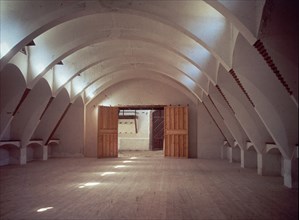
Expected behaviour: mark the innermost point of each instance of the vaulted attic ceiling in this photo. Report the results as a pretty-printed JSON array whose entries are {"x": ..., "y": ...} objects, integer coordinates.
[{"x": 221, "y": 49}]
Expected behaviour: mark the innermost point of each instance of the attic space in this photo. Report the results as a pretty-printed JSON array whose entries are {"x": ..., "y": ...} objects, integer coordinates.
[{"x": 149, "y": 109}]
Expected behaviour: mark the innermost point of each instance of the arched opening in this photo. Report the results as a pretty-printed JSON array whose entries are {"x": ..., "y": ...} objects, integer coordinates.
[
  {"x": 34, "y": 152},
  {"x": 249, "y": 157},
  {"x": 9, "y": 154},
  {"x": 53, "y": 149},
  {"x": 273, "y": 163},
  {"x": 236, "y": 154}
]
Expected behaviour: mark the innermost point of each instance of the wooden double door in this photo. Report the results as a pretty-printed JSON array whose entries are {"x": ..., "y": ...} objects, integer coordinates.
[{"x": 175, "y": 131}]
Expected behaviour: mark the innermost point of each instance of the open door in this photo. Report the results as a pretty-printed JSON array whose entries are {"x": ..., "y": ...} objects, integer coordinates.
[
  {"x": 176, "y": 131},
  {"x": 107, "y": 132},
  {"x": 158, "y": 130}
]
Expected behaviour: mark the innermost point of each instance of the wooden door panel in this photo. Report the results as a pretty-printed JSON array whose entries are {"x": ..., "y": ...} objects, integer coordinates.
[
  {"x": 107, "y": 132},
  {"x": 176, "y": 131}
]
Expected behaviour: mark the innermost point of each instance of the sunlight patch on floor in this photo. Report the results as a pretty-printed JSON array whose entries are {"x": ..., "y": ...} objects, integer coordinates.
[{"x": 44, "y": 209}]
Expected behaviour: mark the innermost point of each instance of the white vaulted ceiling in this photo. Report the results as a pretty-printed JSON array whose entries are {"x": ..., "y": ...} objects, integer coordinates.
[
  {"x": 210, "y": 48},
  {"x": 193, "y": 35}
]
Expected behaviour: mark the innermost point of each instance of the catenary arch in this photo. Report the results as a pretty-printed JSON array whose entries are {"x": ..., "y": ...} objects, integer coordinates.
[
  {"x": 166, "y": 70},
  {"x": 98, "y": 85},
  {"x": 247, "y": 64},
  {"x": 256, "y": 125},
  {"x": 240, "y": 15},
  {"x": 102, "y": 67},
  {"x": 156, "y": 77},
  {"x": 54, "y": 14},
  {"x": 108, "y": 30},
  {"x": 73, "y": 41},
  {"x": 61, "y": 57},
  {"x": 74, "y": 65}
]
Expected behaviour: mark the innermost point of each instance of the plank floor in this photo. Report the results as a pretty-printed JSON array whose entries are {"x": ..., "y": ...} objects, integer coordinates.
[{"x": 136, "y": 186}]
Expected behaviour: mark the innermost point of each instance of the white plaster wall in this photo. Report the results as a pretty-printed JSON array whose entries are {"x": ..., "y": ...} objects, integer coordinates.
[
  {"x": 230, "y": 120},
  {"x": 51, "y": 116},
  {"x": 229, "y": 154},
  {"x": 272, "y": 164},
  {"x": 29, "y": 154},
  {"x": 219, "y": 120},
  {"x": 133, "y": 144},
  {"x": 236, "y": 154},
  {"x": 14, "y": 156},
  {"x": 27, "y": 117},
  {"x": 209, "y": 137},
  {"x": 139, "y": 140},
  {"x": 12, "y": 87},
  {"x": 224, "y": 152},
  {"x": 70, "y": 132},
  {"x": 250, "y": 158},
  {"x": 34, "y": 152}
]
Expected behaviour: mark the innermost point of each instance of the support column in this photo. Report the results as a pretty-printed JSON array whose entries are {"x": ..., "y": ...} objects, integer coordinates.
[
  {"x": 23, "y": 155},
  {"x": 259, "y": 164},
  {"x": 248, "y": 159},
  {"x": 45, "y": 152},
  {"x": 290, "y": 173},
  {"x": 269, "y": 164},
  {"x": 230, "y": 154}
]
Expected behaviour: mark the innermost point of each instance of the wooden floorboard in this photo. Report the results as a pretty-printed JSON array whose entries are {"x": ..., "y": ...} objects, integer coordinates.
[{"x": 147, "y": 187}]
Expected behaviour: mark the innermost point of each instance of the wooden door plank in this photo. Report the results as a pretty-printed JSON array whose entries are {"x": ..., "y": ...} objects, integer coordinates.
[
  {"x": 172, "y": 145},
  {"x": 176, "y": 145},
  {"x": 107, "y": 132},
  {"x": 172, "y": 118},
  {"x": 176, "y": 131}
]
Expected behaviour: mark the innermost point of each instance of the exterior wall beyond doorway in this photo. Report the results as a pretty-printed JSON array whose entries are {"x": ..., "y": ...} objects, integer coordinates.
[{"x": 128, "y": 139}]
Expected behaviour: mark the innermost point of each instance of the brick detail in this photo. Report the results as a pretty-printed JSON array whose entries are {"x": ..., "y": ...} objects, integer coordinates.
[
  {"x": 224, "y": 98},
  {"x": 263, "y": 52},
  {"x": 236, "y": 78}
]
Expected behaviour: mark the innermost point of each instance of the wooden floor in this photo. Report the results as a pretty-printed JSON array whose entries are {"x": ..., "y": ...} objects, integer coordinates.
[{"x": 142, "y": 187}]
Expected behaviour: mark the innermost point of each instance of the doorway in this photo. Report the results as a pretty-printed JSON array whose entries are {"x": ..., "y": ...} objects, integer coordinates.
[
  {"x": 133, "y": 130},
  {"x": 168, "y": 126}
]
